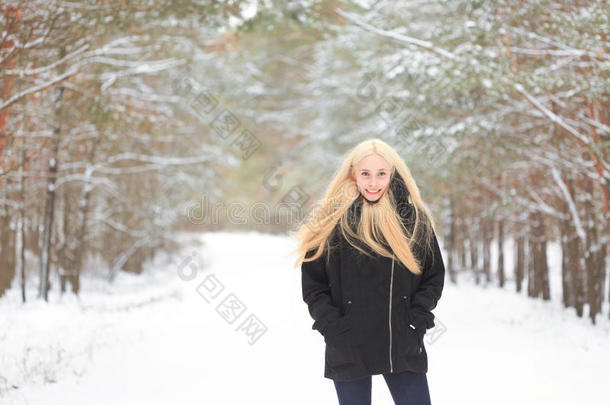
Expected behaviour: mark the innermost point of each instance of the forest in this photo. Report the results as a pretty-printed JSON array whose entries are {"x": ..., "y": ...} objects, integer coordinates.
[{"x": 119, "y": 118}]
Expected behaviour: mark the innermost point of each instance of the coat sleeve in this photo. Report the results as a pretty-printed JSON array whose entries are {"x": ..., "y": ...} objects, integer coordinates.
[
  {"x": 316, "y": 293},
  {"x": 430, "y": 288}
]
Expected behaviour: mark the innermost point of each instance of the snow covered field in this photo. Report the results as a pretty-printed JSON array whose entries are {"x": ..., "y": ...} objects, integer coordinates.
[{"x": 154, "y": 339}]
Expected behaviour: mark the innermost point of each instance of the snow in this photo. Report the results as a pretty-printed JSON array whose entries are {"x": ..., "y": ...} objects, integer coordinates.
[
  {"x": 154, "y": 339},
  {"x": 249, "y": 9}
]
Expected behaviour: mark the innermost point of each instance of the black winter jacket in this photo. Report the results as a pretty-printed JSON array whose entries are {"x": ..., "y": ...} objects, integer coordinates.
[{"x": 372, "y": 311}]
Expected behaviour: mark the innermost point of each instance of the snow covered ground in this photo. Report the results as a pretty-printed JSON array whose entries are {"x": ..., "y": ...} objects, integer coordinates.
[{"x": 159, "y": 339}]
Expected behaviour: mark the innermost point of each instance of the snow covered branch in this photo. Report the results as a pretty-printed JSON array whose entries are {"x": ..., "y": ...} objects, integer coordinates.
[
  {"x": 429, "y": 46},
  {"x": 573, "y": 132}
]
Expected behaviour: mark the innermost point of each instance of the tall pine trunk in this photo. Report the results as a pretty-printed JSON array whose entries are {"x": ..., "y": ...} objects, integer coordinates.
[
  {"x": 7, "y": 239},
  {"x": 519, "y": 261},
  {"x": 486, "y": 228},
  {"x": 22, "y": 218},
  {"x": 451, "y": 248},
  {"x": 501, "y": 275},
  {"x": 49, "y": 210},
  {"x": 594, "y": 254}
]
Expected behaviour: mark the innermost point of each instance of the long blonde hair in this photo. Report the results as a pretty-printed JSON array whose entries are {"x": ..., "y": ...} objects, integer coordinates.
[{"x": 379, "y": 224}]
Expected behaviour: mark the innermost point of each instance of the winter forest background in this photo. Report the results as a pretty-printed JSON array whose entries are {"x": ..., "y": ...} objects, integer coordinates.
[{"x": 148, "y": 147}]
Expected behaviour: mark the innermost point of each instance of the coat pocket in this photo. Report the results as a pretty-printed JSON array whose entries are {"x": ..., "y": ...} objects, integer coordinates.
[
  {"x": 407, "y": 306},
  {"x": 339, "y": 346},
  {"x": 417, "y": 334},
  {"x": 340, "y": 326}
]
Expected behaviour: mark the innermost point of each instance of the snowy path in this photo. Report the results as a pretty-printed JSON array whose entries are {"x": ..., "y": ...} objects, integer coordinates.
[{"x": 174, "y": 348}]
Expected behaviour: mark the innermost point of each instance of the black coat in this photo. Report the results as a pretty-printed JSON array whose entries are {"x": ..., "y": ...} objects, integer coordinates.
[{"x": 372, "y": 311}]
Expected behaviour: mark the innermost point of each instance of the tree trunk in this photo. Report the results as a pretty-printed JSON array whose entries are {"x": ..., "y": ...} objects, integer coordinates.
[
  {"x": 80, "y": 248},
  {"x": 519, "y": 261},
  {"x": 22, "y": 219},
  {"x": 7, "y": 240},
  {"x": 539, "y": 270},
  {"x": 462, "y": 245},
  {"x": 567, "y": 285},
  {"x": 474, "y": 260},
  {"x": 49, "y": 211},
  {"x": 594, "y": 254},
  {"x": 64, "y": 258},
  {"x": 451, "y": 248},
  {"x": 486, "y": 228},
  {"x": 575, "y": 258},
  {"x": 501, "y": 275},
  {"x": 532, "y": 286}
]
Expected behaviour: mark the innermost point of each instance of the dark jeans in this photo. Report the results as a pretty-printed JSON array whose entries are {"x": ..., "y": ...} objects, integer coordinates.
[{"x": 407, "y": 388}]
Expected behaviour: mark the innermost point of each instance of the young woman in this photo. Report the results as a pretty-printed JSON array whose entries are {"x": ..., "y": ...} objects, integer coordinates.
[{"x": 372, "y": 271}]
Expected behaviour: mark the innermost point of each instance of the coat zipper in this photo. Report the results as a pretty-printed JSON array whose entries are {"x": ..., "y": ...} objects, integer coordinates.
[{"x": 390, "y": 312}]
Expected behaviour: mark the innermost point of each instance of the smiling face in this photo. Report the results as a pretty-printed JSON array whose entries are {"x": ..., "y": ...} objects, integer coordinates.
[{"x": 372, "y": 175}]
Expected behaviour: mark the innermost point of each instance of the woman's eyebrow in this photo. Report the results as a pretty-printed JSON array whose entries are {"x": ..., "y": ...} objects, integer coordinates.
[{"x": 367, "y": 170}]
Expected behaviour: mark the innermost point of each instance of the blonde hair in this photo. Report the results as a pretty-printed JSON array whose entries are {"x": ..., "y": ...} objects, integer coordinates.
[{"x": 378, "y": 222}]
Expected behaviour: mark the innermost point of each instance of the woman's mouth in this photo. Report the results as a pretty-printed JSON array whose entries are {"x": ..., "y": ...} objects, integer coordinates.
[{"x": 372, "y": 192}]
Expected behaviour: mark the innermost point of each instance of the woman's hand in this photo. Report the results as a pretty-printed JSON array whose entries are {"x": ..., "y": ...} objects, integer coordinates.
[{"x": 429, "y": 290}]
